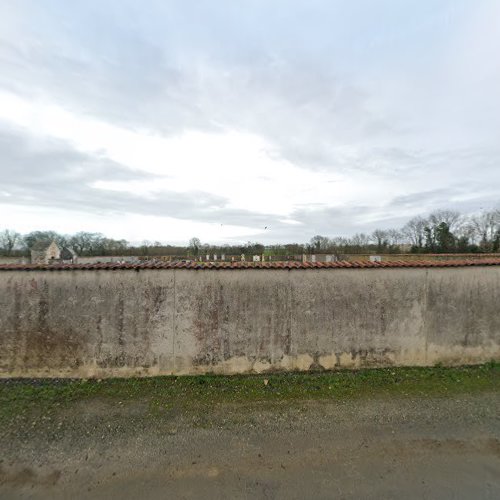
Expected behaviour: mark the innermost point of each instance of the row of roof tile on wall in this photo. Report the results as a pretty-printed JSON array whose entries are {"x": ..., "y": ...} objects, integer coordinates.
[{"x": 248, "y": 265}]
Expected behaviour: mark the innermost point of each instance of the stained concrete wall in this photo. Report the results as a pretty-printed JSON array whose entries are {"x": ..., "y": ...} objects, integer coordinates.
[{"x": 148, "y": 322}]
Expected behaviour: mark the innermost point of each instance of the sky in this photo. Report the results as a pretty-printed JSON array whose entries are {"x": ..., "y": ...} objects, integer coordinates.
[{"x": 236, "y": 120}]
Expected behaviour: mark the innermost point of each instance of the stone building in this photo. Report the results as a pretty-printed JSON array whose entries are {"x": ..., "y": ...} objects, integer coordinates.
[{"x": 44, "y": 252}]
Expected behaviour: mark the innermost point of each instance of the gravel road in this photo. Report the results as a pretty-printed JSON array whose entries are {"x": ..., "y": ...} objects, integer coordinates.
[{"x": 366, "y": 448}]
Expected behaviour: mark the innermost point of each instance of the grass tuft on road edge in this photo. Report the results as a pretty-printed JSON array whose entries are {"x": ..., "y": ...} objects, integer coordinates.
[{"x": 22, "y": 397}]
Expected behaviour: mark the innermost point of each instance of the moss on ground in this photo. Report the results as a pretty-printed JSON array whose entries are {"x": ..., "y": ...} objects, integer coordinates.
[{"x": 23, "y": 397}]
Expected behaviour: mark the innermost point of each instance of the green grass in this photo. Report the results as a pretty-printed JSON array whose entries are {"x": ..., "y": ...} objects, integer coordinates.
[{"x": 24, "y": 397}]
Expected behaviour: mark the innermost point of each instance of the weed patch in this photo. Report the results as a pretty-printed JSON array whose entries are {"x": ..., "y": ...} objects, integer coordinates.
[{"x": 24, "y": 397}]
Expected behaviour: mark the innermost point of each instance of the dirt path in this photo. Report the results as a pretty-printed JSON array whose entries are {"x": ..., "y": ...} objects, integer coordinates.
[{"x": 369, "y": 448}]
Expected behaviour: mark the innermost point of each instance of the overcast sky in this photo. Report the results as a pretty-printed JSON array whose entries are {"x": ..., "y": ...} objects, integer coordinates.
[{"x": 164, "y": 120}]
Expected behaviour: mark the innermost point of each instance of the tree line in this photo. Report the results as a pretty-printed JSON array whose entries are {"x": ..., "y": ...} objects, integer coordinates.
[
  {"x": 443, "y": 231},
  {"x": 84, "y": 243}
]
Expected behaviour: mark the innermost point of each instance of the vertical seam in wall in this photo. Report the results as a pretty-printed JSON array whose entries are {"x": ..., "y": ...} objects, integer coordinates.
[
  {"x": 426, "y": 293},
  {"x": 290, "y": 305},
  {"x": 174, "y": 332}
]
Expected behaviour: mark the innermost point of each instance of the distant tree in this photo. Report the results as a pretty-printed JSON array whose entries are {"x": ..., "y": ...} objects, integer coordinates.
[
  {"x": 109, "y": 246},
  {"x": 444, "y": 238},
  {"x": 144, "y": 247},
  {"x": 442, "y": 231},
  {"x": 451, "y": 218},
  {"x": 320, "y": 243},
  {"x": 430, "y": 242},
  {"x": 463, "y": 244},
  {"x": 294, "y": 249},
  {"x": 414, "y": 231},
  {"x": 496, "y": 242},
  {"x": 464, "y": 233},
  {"x": 253, "y": 248},
  {"x": 339, "y": 242},
  {"x": 45, "y": 236},
  {"x": 194, "y": 246},
  {"x": 9, "y": 240},
  {"x": 485, "y": 227},
  {"x": 360, "y": 241},
  {"x": 395, "y": 237},
  {"x": 85, "y": 243},
  {"x": 380, "y": 237}
]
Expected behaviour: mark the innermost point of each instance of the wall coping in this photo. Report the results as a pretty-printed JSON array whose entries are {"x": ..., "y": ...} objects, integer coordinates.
[{"x": 199, "y": 266}]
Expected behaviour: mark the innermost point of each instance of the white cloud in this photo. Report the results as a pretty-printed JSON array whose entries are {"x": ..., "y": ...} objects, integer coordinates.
[
  {"x": 239, "y": 166},
  {"x": 135, "y": 227}
]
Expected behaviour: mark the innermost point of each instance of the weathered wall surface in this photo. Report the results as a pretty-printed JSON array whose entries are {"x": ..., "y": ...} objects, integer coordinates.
[{"x": 149, "y": 322}]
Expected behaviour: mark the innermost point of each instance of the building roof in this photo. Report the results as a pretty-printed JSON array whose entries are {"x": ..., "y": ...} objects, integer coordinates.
[
  {"x": 41, "y": 245},
  {"x": 111, "y": 266},
  {"x": 68, "y": 253}
]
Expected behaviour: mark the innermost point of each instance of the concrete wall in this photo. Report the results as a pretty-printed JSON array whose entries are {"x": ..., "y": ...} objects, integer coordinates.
[{"x": 148, "y": 322}]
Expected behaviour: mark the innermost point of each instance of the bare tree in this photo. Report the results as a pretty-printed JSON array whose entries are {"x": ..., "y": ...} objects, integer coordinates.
[
  {"x": 9, "y": 239},
  {"x": 320, "y": 243},
  {"x": 414, "y": 230},
  {"x": 360, "y": 240},
  {"x": 451, "y": 218},
  {"x": 395, "y": 236},
  {"x": 87, "y": 243},
  {"x": 485, "y": 226},
  {"x": 194, "y": 246},
  {"x": 381, "y": 238},
  {"x": 46, "y": 236},
  {"x": 339, "y": 241},
  {"x": 465, "y": 230}
]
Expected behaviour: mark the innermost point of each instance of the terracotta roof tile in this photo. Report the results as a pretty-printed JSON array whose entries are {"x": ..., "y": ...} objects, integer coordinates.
[{"x": 250, "y": 265}]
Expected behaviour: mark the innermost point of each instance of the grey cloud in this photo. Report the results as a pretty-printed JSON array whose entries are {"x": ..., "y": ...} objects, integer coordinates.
[
  {"x": 50, "y": 173},
  {"x": 170, "y": 68},
  {"x": 28, "y": 160},
  {"x": 40, "y": 173},
  {"x": 168, "y": 83},
  {"x": 416, "y": 200}
]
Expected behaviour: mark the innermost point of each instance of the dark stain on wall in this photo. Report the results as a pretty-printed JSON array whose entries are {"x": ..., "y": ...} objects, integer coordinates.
[
  {"x": 210, "y": 321},
  {"x": 120, "y": 319},
  {"x": 50, "y": 345}
]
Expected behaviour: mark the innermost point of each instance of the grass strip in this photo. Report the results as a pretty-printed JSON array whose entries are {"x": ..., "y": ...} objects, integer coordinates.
[{"x": 27, "y": 396}]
